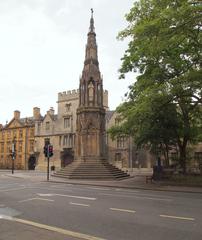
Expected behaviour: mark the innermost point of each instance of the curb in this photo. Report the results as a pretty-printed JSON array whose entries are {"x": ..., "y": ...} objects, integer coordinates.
[
  {"x": 127, "y": 187},
  {"x": 153, "y": 188}
]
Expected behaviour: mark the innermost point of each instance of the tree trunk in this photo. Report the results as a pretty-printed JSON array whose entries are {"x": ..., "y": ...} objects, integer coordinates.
[
  {"x": 167, "y": 155},
  {"x": 182, "y": 150}
]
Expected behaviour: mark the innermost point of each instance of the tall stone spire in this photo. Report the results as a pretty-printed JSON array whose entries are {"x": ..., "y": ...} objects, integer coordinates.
[
  {"x": 91, "y": 46},
  {"x": 90, "y": 135},
  {"x": 91, "y": 89}
]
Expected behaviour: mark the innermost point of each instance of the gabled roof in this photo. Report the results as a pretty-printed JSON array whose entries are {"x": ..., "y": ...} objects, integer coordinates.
[
  {"x": 109, "y": 115},
  {"x": 22, "y": 122},
  {"x": 52, "y": 116}
]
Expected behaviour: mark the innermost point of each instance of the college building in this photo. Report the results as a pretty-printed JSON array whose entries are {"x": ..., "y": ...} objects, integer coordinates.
[{"x": 78, "y": 130}]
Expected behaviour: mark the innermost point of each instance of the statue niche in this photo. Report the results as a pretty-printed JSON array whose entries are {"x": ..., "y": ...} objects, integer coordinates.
[{"x": 91, "y": 92}]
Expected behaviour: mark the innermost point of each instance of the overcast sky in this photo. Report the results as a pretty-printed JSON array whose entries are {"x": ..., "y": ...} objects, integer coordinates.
[{"x": 42, "y": 49}]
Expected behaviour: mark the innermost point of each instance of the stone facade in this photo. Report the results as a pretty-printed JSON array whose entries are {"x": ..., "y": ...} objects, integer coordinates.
[
  {"x": 19, "y": 131},
  {"x": 122, "y": 152},
  {"x": 59, "y": 129}
]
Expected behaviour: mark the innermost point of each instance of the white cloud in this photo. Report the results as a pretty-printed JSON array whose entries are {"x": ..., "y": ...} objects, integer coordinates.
[{"x": 42, "y": 46}]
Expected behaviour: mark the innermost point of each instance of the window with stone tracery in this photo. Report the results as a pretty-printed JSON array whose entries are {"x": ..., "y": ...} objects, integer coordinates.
[
  {"x": 2, "y": 147},
  {"x": 20, "y": 133},
  {"x": 121, "y": 142},
  {"x": 47, "y": 125},
  {"x": 67, "y": 122}
]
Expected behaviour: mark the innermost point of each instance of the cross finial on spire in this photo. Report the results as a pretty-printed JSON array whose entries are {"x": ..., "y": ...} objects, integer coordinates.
[{"x": 91, "y": 29}]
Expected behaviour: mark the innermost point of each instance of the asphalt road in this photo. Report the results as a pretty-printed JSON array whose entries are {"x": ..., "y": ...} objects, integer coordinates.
[{"x": 95, "y": 213}]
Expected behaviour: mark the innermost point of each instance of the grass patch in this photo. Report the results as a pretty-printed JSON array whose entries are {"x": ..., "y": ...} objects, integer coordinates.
[{"x": 185, "y": 180}]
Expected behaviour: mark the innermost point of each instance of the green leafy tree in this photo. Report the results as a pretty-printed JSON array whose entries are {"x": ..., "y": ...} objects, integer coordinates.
[{"x": 164, "y": 103}]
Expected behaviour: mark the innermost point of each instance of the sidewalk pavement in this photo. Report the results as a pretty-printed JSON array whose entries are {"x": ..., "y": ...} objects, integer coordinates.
[
  {"x": 136, "y": 182},
  {"x": 11, "y": 230}
]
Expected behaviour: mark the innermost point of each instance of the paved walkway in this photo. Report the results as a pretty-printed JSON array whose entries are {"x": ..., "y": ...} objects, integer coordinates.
[
  {"x": 11, "y": 230},
  {"x": 137, "y": 182}
]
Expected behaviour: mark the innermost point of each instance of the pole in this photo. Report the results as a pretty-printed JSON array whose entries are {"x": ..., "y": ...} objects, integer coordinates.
[
  {"x": 13, "y": 158},
  {"x": 13, "y": 155},
  {"x": 48, "y": 163}
]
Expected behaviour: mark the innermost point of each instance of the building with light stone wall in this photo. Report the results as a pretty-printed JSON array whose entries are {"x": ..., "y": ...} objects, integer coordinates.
[
  {"x": 59, "y": 129},
  {"x": 19, "y": 132}
]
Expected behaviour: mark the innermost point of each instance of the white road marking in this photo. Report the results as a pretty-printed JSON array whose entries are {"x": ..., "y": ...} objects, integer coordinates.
[
  {"x": 63, "y": 195},
  {"x": 12, "y": 189},
  {"x": 122, "y": 210},
  {"x": 45, "y": 194},
  {"x": 49, "y": 189},
  {"x": 79, "y": 204},
  {"x": 177, "y": 217},
  {"x": 31, "y": 199},
  {"x": 5, "y": 217},
  {"x": 53, "y": 229},
  {"x": 139, "y": 197}
]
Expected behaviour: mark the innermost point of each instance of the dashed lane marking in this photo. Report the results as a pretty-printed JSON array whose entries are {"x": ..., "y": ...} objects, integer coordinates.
[
  {"x": 177, "y": 217},
  {"x": 79, "y": 204},
  {"x": 63, "y": 195},
  {"x": 138, "y": 197},
  {"x": 31, "y": 199},
  {"x": 12, "y": 189},
  {"x": 54, "y": 229},
  {"x": 122, "y": 210}
]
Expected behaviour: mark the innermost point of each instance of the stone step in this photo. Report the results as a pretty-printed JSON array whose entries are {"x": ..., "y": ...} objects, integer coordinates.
[
  {"x": 91, "y": 175},
  {"x": 87, "y": 178},
  {"x": 91, "y": 170},
  {"x": 84, "y": 175},
  {"x": 87, "y": 175}
]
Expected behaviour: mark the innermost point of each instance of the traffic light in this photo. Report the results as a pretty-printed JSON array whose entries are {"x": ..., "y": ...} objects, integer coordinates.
[
  {"x": 45, "y": 150},
  {"x": 50, "y": 150}
]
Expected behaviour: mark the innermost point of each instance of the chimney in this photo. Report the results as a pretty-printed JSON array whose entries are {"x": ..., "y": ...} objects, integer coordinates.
[
  {"x": 51, "y": 111},
  {"x": 17, "y": 114},
  {"x": 36, "y": 113}
]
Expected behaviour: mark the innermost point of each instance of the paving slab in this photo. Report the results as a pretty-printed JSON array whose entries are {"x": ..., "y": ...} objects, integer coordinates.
[{"x": 10, "y": 230}]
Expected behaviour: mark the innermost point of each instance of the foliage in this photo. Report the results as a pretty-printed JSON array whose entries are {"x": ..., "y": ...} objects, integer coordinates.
[{"x": 164, "y": 104}]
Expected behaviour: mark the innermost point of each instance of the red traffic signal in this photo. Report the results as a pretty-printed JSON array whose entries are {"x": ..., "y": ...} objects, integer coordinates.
[{"x": 50, "y": 150}]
